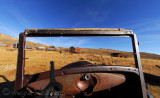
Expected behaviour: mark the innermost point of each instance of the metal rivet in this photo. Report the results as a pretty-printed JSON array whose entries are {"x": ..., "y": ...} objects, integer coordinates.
[{"x": 62, "y": 73}]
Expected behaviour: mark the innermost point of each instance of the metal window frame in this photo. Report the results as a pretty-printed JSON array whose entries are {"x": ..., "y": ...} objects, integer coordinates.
[{"x": 75, "y": 33}]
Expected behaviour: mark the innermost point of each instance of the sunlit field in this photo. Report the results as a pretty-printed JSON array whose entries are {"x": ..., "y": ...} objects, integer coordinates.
[{"x": 39, "y": 61}]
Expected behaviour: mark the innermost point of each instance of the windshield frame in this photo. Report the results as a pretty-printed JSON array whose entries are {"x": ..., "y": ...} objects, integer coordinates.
[{"x": 75, "y": 32}]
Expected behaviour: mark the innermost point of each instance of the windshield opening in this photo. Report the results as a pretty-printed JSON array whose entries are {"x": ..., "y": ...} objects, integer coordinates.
[{"x": 107, "y": 51}]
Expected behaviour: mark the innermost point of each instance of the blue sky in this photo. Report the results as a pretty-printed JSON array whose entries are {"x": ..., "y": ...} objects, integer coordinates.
[{"x": 141, "y": 16}]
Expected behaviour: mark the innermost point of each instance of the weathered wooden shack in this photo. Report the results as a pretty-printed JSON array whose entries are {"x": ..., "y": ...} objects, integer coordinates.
[
  {"x": 28, "y": 47},
  {"x": 9, "y": 45},
  {"x": 40, "y": 48},
  {"x": 53, "y": 49},
  {"x": 15, "y": 45},
  {"x": 119, "y": 55},
  {"x": 2, "y": 44},
  {"x": 78, "y": 50}
]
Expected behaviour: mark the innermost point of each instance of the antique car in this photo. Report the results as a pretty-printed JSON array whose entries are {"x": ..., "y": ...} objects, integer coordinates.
[{"x": 81, "y": 79}]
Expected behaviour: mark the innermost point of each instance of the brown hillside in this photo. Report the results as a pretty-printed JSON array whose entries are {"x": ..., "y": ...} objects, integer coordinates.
[
  {"x": 5, "y": 39},
  {"x": 108, "y": 52}
]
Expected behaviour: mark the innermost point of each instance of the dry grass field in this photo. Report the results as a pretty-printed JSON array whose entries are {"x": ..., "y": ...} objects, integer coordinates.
[{"x": 39, "y": 61}]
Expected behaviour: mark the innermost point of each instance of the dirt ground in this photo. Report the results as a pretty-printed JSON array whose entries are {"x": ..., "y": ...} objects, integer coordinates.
[{"x": 39, "y": 61}]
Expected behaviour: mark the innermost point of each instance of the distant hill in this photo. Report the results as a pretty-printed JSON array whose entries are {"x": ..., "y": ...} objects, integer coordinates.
[
  {"x": 129, "y": 54},
  {"x": 5, "y": 39},
  {"x": 149, "y": 56}
]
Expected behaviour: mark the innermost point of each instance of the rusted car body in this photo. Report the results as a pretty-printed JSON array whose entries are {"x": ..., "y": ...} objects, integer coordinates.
[{"x": 81, "y": 79}]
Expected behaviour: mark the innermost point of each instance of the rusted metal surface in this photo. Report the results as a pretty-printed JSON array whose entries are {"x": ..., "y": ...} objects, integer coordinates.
[
  {"x": 70, "y": 83},
  {"x": 72, "y": 32},
  {"x": 83, "y": 29},
  {"x": 73, "y": 84},
  {"x": 78, "y": 64},
  {"x": 108, "y": 80},
  {"x": 138, "y": 64},
  {"x": 78, "y": 70},
  {"x": 20, "y": 63},
  {"x": 39, "y": 85}
]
